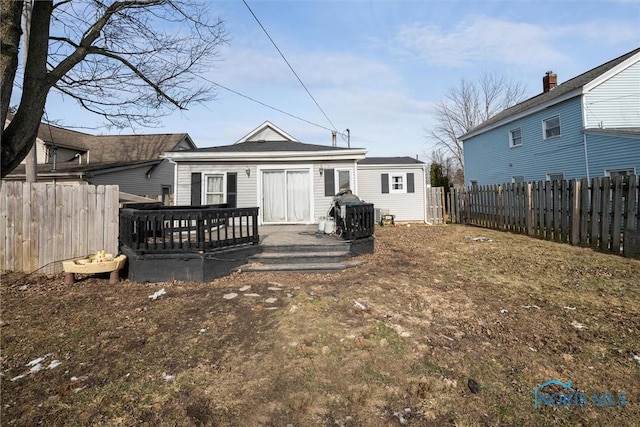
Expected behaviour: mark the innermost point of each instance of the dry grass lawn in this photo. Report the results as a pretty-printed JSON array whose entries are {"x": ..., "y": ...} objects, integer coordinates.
[{"x": 392, "y": 342}]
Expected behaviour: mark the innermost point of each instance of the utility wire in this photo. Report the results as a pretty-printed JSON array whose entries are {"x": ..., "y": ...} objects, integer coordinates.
[{"x": 290, "y": 67}]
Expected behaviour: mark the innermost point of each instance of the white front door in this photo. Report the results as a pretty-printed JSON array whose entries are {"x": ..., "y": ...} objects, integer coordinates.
[{"x": 286, "y": 196}]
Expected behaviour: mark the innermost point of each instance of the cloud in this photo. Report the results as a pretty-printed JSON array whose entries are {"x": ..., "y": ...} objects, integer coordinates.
[{"x": 485, "y": 39}]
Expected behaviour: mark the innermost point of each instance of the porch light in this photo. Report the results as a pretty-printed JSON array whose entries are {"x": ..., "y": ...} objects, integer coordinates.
[
  {"x": 321, "y": 170},
  {"x": 248, "y": 171}
]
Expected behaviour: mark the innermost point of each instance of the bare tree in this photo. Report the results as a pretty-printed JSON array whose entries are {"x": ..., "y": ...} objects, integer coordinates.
[
  {"x": 466, "y": 106},
  {"x": 130, "y": 61}
]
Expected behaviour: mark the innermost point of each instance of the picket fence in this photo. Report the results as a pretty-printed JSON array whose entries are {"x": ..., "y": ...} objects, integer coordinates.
[
  {"x": 45, "y": 224},
  {"x": 603, "y": 213}
]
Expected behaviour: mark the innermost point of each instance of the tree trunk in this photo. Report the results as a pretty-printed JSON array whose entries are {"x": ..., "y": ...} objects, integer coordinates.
[
  {"x": 10, "y": 12},
  {"x": 20, "y": 135}
]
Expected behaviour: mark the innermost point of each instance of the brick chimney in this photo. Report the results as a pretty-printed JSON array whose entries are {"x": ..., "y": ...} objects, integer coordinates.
[{"x": 549, "y": 81}]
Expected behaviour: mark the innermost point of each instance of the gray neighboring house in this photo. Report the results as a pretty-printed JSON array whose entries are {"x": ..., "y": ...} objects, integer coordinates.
[{"x": 133, "y": 162}]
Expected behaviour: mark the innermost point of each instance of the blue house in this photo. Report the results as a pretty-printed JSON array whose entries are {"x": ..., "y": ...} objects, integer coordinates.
[{"x": 588, "y": 126}]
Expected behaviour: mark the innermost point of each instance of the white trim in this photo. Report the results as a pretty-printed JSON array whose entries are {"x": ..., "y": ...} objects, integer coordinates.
[
  {"x": 278, "y": 156},
  {"x": 607, "y": 172},
  {"x": 544, "y": 127},
  {"x": 284, "y": 167},
  {"x": 511, "y": 144},
  {"x": 203, "y": 188},
  {"x": 612, "y": 72},
  {"x": 555, "y": 173},
  {"x": 404, "y": 182},
  {"x": 263, "y": 126}
]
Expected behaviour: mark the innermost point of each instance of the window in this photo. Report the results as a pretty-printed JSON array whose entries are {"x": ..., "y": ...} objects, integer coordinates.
[
  {"x": 515, "y": 137},
  {"x": 517, "y": 178},
  {"x": 619, "y": 172},
  {"x": 555, "y": 176},
  {"x": 344, "y": 180},
  {"x": 397, "y": 183},
  {"x": 551, "y": 127},
  {"x": 214, "y": 189}
]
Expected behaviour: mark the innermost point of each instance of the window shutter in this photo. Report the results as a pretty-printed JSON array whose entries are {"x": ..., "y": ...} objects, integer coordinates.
[
  {"x": 410, "y": 184},
  {"x": 196, "y": 189},
  {"x": 232, "y": 189},
  {"x": 329, "y": 183},
  {"x": 385, "y": 183}
]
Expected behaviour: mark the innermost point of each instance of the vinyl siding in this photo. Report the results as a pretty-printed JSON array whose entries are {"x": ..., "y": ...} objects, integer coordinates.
[
  {"x": 248, "y": 186},
  {"x": 611, "y": 152},
  {"x": 615, "y": 102},
  {"x": 488, "y": 159},
  {"x": 246, "y": 190},
  {"x": 135, "y": 181},
  {"x": 405, "y": 206}
]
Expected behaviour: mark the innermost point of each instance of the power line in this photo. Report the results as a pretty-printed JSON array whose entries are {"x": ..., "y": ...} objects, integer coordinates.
[{"x": 290, "y": 67}]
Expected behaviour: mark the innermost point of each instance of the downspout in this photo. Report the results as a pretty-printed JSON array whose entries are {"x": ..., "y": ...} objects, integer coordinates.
[
  {"x": 586, "y": 154},
  {"x": 175, "y": 182},
  {"x": 424, "y": 193}
]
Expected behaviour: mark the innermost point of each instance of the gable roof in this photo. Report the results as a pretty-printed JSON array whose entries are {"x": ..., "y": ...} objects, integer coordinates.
[
  {"x": 270, "y": 146},
  {"x": 406, "y": 160},
  {"x": 267, "y": 131},
  {"x": 569, "y": 89}
]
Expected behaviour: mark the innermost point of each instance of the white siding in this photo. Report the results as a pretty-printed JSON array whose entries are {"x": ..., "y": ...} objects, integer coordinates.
[
  {"x": 322, "y": 202},
  {"x": 405, "y": 206},
  {"x": 615, "y": 102},
  {"x": 247, "y": 185}
]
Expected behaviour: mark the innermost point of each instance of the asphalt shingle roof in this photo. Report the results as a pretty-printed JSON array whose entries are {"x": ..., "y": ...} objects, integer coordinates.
[
  {"x": 557, "y": 92},
  {"x": 266, "y": 146},
  {"x": 390, "y": 161}
]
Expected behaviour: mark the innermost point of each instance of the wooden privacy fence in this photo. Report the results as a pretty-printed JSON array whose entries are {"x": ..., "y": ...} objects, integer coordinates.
[
  {"x": 44, "y": 224},
  {"x": 603, "y": 213},
  {"x": 435, "y": 205}
]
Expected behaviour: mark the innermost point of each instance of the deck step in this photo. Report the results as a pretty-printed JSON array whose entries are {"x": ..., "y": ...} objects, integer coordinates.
[
  {"x": 273, "y": 257},
  {"x": 302, "y": 268}
]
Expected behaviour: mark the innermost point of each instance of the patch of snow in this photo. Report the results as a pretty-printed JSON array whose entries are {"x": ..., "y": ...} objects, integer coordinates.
[
  {"x": 245, "y": 288},
  {"x": 636, "y": 358},
  {"x": 203, "y": 330},
  {"x": 54, "y": 364},
  {"x": 271, "y": 300},
  {"x": 157, "y": 294},
  {"x": 271, "y": 308},
  {"x": 169, "y": 378},
  {"x": 231, "y": 295},
  {"x": 251, "y": 295},
  {"x": 533, "y": 349},
  {"x": 566, "y": 307},
  {"x": 273, "y": 288},
  {"x": 503, "y": 310},
  {"x": 578, "y": 325},
  {"x": 360, "y": 305},
  {"x": 79, "y": 389},
  {"x": 478, "y": 239},
  {"x": 17, "y": 377},
  {"x": 38, "y": 360},
  {"x": 81, "y": 378},
  {"x": 36, "y": 368},
  {"x": 531, "y": 306}
]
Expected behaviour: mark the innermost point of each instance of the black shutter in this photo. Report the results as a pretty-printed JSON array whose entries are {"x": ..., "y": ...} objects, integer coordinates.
[
  {"x": 410, "y": 185},
  {"x": 196, "y": 189},
  {"x": 232, "y": 189},
  {"x": 329, "y": 183},
  {"x": 385, "y": 183}
]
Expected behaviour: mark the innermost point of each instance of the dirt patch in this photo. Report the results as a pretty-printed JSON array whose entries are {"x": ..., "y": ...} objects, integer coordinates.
[{"x": 436, "y": 328}]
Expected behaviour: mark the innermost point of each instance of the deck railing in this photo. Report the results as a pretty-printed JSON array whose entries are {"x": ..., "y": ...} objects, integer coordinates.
[
  {"x": 358, "y": 221},
  {"x": 172, "y": 229}
]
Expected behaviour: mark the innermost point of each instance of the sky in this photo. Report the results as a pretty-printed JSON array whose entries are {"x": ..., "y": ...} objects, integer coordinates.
[{"x": 378, "y": 67}]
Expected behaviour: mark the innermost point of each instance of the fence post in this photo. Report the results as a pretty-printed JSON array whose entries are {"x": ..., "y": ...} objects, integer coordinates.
[
  {"x": 575, "y": 211},
  {"x": 631, "y": 242},
  {"x": 584, "y": 211}
]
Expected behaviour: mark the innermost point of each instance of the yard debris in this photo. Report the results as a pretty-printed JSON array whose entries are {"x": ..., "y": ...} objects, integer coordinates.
[
  {"x": 168, "y": 378},
  {"x": 17, "y": 377},
  {"x": 231, "y": 295},
  {"x": 479, "y": 239},
  {"x": 444, "y": 336},
  {"x": 274, "y": 288},
  {"x": 578, "y": 325},
  {"x": 251, "y": 295},
  {"x": 245, "y": 288},
  {"x": 157, "y": 294},
  {"x": 271, "y": 300},
  {"x": 360, "y": 305},
  {"x": 531, "y": 306},
  {"x": 566, "y": 307},
  {"x": 533, "y": 349},
  {"x": 39, "y": 360},
  {"x": 503, "y": 310},
  {"x": 473, "y": 386},
  {"x": 636, "y": 357},
  {"x": 54, "y": 364}
]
